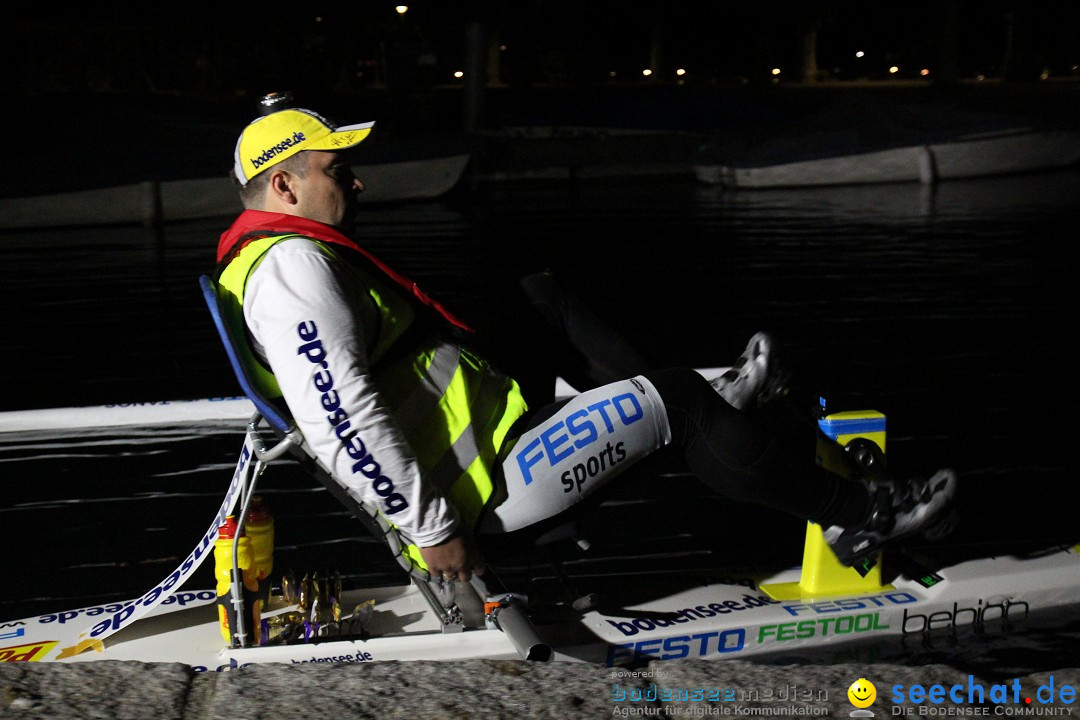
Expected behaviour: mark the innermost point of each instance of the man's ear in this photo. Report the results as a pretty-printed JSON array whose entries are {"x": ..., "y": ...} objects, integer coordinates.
[{"x": 281, "y": 186}]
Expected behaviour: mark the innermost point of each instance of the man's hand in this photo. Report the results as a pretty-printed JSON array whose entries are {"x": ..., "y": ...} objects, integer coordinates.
[{"x": 456, "y": 558}]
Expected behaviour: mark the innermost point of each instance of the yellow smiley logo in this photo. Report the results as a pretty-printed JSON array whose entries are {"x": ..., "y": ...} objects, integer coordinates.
[{"x": 862, "y": 693}]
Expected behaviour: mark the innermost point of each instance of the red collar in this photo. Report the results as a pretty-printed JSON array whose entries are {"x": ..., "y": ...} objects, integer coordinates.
[{"x": 255, "y": 224}]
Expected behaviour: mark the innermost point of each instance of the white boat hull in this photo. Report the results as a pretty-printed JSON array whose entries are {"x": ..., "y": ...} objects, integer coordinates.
[
  {"x": 706, "y": 620},
  {"x": 640, "y": 618},
  {"x": 968, "y": 158}
]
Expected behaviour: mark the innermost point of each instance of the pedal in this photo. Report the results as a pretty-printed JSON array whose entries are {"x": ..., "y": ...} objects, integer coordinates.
[
  {"x": 866, "y": 455},
  {"x": 914, "y": 570},
  {"x": 863, "y": 565}
]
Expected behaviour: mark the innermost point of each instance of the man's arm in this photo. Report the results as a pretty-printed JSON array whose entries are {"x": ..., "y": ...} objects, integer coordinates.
[{"x": 312, "y": 321}]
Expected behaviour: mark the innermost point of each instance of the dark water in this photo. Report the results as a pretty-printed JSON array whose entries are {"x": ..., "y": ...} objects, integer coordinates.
[{"x": 951, "y": 310}]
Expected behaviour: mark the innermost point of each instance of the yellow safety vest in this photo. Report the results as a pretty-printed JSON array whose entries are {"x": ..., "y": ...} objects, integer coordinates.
[{"x": 452, "y": 406}]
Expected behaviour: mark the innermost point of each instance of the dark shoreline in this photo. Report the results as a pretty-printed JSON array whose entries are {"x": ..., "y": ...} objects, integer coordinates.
[{"x": 102, "y": 140}]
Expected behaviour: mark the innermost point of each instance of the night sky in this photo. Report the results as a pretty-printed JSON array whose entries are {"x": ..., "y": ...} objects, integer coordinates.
[{"x": 350, "y": 47}]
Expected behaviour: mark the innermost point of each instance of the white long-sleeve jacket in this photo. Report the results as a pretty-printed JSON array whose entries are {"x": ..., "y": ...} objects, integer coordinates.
[{"x": 315, "y": 325}]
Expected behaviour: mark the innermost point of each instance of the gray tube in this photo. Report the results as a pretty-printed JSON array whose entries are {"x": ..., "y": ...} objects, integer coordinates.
[{"x": 513, "y": 621}]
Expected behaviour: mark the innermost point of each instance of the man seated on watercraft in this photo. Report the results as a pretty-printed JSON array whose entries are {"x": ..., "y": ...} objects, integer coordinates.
[{"x": 392, "y": 397}]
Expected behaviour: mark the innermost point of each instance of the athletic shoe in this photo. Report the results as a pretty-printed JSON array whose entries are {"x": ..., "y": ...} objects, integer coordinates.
[
  {"x": 756, "y": 376},
  {"x": 919, "y": 507}
]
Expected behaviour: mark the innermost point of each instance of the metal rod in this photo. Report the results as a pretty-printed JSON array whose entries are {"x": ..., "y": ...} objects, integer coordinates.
[{"x": 247, "y": 490}]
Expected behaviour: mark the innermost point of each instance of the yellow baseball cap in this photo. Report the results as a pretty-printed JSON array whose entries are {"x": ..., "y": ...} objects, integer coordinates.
[{"x": 270, "y": 139}]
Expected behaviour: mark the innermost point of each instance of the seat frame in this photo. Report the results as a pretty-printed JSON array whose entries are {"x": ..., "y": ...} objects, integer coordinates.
[{"x": 506, "y": 609}]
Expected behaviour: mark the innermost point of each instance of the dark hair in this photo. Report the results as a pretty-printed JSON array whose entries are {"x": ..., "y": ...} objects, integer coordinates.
[{"x": 252, "y": 194}]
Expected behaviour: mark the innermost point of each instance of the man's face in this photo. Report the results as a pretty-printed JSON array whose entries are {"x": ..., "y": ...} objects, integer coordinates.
[{"x": 328, "y": 191}]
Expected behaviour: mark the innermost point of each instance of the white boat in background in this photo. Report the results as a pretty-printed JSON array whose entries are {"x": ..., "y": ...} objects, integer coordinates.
[
  {"x": 152, "y": 202},
  {"x": 170, "y": 412},
  {"x": 128, "y": 414},
  {"x": 1001, "y": 153}
]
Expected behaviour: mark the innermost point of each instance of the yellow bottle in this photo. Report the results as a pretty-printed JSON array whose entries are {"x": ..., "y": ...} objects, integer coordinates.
[
  {"x": 223, "y": 563},
  {"x": 259, "y": 526}
]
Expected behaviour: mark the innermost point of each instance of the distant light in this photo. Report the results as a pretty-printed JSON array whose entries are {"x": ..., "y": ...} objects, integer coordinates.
[
  {"x": 646, "y": 72},
  {"x": 318, "y": 19},
  {"x": 459, "y": 74},
  {"x": 980, "y": 77},
  {"x": 1044, "y": 75},
  {"x": 611, "y": 73},
  {"x": 859, "y": 54},
  {"x": 401, "y": 9},
  {"x": 893, "y": 70},
  {"x": 503, "y": 48},
  {"x": 680, "y": 71},
  {"x": 924, "y": 72},
  {"x": 776, "y": 71}
]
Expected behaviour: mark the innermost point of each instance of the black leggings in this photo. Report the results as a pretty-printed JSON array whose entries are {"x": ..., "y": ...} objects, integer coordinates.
[
  {"x": 738, "y": 456},
  {"x": 547, "y": 331},
  {"x": 732, "y": 451}
]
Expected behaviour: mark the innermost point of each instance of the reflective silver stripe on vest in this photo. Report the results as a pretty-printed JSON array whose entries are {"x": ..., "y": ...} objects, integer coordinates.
[
  {"x": 459, "y": 456},
  {"x": 415, "y": 408},
  {"x": 454, "y": 461}
]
